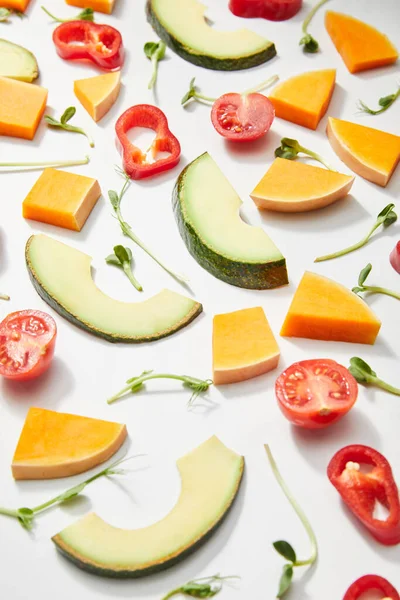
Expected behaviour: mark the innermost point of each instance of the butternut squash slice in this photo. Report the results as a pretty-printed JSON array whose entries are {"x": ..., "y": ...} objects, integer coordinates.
[
  {"x": 371, "y": 153},
  {"x": 322, "y": 309},
  {"x": 54, "y": 444},
  {"x": 21, "y": 107},
  {"x": 243, "y": 346},
  {"x": 103, "y": 6},
  {"x": 98, "y": 94},
  {"x": 20, "y": 5},
  {"x": 304, "y": 99},
  {"x": 360, "y": 45},
  {"x": 291, "y": 186}
]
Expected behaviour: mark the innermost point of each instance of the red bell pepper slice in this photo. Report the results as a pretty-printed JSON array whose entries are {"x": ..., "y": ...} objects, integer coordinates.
[
  {"x": 360, "y": 491},
  {"x": 101, "y": 44},
  {"x": 273, "y": 10},
  {"x": 136, "y": 163},
  {"x": 371, "y": 583}
]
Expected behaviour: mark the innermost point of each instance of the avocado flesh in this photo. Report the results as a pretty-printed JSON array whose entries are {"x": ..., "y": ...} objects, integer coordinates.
[
  {"x": 183, "y": 26},
  {"x": 17, "y": 62},
  {"x": 62, "y": 276},
  {"x": 210, "y": 479}
]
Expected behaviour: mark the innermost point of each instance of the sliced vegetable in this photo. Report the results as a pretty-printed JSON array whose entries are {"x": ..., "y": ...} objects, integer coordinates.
[
  {"x": 370, "y": 583},
  {"x": 17, "y": 62},
  {"x": 315, "y": 393},
  {"x": 98, "y": 94},
  {"x": 385, "y": 218},
  {"x": 363, "y": 491},
  {"x": 204, "y": 587},
  {"x": 241, "y": 118},
  {"x": 395, "y": 257},
  {"x": 135, "y": 384},
  {"x": 310, "y": 44},
  {"x": 385, "y": 102},
  {"x": 87, "y": 14},
  {"x": 103, "y": 6},
  {"x": 101, "y": 44},
  {"x": 16, "y": 6},
  {"x": 365, "y": 375},
  {"x": 123, "y": 259},
  {"x": 290, "y": 149},
  {"x": 138, "y": 164},
  {"x": 284, "y": 548},
  {"x": 63, "y": 123},
  {"x": 371, "y": 289},
  {"x": 21, "y": 108},
  {"x": 155, "y": 51},
  {"x": 273, "y": 10},
  {"x": 27, "y": 343}
]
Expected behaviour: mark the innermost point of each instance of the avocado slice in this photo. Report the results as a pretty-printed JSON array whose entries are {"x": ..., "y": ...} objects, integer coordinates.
[
  {"x": 211, "y": 476},
  {"x": 62, "y": 277},
  {"x": 17, "y": 62},
  {"x": 182, "y": 25},
  {"x": 207, "y": 212}
]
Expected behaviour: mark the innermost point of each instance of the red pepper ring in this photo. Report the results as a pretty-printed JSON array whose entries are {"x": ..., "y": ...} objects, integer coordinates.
[
  {"x": 371, "y": 583},
  {"x": 135, "y": 162},
  {"x": 361, "y": 491},
  {"x": 101, "y": 44}
]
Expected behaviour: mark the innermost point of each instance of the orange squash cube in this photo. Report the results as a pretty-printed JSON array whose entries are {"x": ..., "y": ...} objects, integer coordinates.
[
  {"x": 21, "y": 108},
  {"x": 20, "y": 5},
  {"x": 104, "y": 6}
]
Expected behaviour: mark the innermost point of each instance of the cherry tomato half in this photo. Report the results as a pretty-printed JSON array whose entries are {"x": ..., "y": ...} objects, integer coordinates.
[
  {"x": 242, "y": 118},
  {"x": 27, "y": 342},
  {"x": 315, "y": 393}
]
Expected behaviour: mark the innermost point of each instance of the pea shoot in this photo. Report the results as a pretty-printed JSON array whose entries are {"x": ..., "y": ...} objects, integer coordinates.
[
  {"x": 385, "y": 102},
  {"x": 308, "y": 41},
  {"x": 155, "y": 51},
  {"x": 123, "y": 259},
  {"x": 194, "y": 94},
  {"x": 21, "y": 166},
  {"x": 371, "y": 289},
  {"x": 289, "y": 149},
  {"x": 204, "y": 587},
  {"x": 63, "y": 123},
  {"x": 6, "y": 13},
  {"x": 4, "y": 297},
  {"x": 363, "y": 373},
  {"x": 87, "y": 14}
]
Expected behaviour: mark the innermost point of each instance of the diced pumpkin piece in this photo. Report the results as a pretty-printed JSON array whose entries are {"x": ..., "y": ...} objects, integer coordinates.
[
  {"x": 103, "y": 6},
  {"x": 54, "y": 444},
  {"x": 371, "y": 153},
  {"x": 243, "y": 346},
  {"x": 98, "y": 94},
  {"x": 304, "y": 99},
  {"x": 322, "y": 309},
  {"x": 293, "y": 186},
  {"x": 360, "y": 45},
  {"x": 21, "y": 107},
  {"x": 19, "y": 5},
  {"x": 62, "y": 199}
]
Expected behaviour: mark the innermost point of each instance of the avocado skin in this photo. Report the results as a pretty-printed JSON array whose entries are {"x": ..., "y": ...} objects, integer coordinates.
[
  {"x": 205, "y": 60},
  {"x": 91, "y": 567},
  {"x": 109, "y": 337},
  {"x": 255, "y": 276}
]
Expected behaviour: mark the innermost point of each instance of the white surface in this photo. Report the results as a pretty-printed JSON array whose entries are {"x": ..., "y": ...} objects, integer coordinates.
[{"x": 87, "y": 370}]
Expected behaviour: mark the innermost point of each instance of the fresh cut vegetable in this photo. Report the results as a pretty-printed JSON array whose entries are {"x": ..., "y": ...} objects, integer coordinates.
[
  {"x": 365, "y": 375},
  {"x": 63, "y": 123},
  {"x": 123, "y": 259},
  {"x": 17, "y": 62},
  {"x": 101, "y": 549},
  {"x": 308, "y": 41},
  {"x": 98, "y": 94},
  {"x": 371, "y": 289},
  {"x": 101, "y": 44},
  {"x": 27, "y": 343},
  {"x": 371, "y": 583},
  {"x": 203, "y": 587},
  {"x": 284, "y": 548},
  {"x": 241, "y": 118},
  {"x": 103, "y": 6},
  {"x": 138, "y": 164},
  {"x": 16, "y": 6},
  {"x": 273, "y": 10},
  {"x": 395, "y": 257},
  {"x": 21, "y": 108},
  {"x": 362, "y": 490}
]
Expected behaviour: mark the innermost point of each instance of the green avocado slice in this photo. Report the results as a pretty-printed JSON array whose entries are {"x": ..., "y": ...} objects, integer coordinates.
[
  {"x": 62, "y": 277},
  {"x": 184, "y": 28},
  {"x": 207, "y": 212},
  {"x": 17, "y": 62},
  {"x": 210, "y": 474}
]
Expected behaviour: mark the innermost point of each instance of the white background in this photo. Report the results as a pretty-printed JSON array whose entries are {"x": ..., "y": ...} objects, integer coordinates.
[{"x": 87, "y": 370}]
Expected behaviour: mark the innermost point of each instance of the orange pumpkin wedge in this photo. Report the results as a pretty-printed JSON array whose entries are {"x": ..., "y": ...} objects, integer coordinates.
[
  {"x": 19, "y": 5},
  {"x": 304, "y": 99},
  {"x": 54, "y": 444},
  {"x": 322, "y": 309},
  {"x": 360, "y": 45},
  {"x": 291, "y": 186},
  {"x": 98, "y": 94},
  {"x": 103, "y": 6},
  {"x": 243, "y": 346},
  {"x": 371, "y": 153},
  {"x": 21, "y": 108}
]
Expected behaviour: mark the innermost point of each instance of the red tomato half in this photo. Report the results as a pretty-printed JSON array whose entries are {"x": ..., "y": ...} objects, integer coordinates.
[
  {"x": 27, "y": 341},
  {"x": 242, "y": 118},
  {"x": 315, "y": 393}
]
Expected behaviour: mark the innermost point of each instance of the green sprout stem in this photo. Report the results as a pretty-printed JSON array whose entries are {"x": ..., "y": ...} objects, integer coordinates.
[
  {"x": 64, "y": 124},
  {"x": 123, "y": 259},
  {"x": 290, "y": 148},
  {"x": 155, "y": 51},
  {"x": 50, "y": 163},
  {"x": 4, "y": 297},
  {"x": 84, "y": 15},
  {"x": 310, "y": 43},
  {"x": 196, "y": 95},
  {"x": 371, "y": 289},
  {"x": 385, "y": 102},
  {"x": 311, "y": 15},
  {"x": 204, "y": 587},
  {"x": 363, "y": 373}
]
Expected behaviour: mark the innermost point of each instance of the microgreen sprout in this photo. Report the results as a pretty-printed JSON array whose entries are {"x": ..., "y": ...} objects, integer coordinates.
[
  {"x": 18, "y": 166},
  {"x": 4, "y": 297},
  {"x": 284, "y": 548},
  {"x": 363, "y": 373},
  {"x": 123, "y": 259},
  {"x": 291, "y": 148},
  {"x": 386, "y": 217},
  {"x": 115, "y": 200},
  {"x": 6, "y": 13},
  {"x": 310, "y": 44},
  {"x": 385, "y": 102},
  {"x": 26, "y": 516},
  {"x": 87, "y": 14},
  {"x": 63, "y": 123},
  {"x": 204, "y": 587},
  {"x": 155, "y": 51},
  {"x": 135, "y": 384},
  {"x": 194, "y": 93},
  {"x": 371, "y": 289}
]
